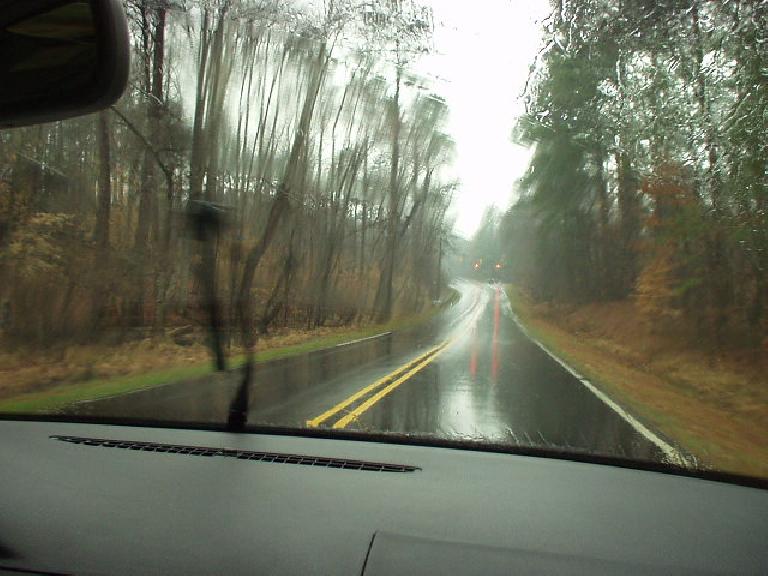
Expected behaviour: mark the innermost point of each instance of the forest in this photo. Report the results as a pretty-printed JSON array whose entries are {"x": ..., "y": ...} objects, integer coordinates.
[
  {"x": 649, "y": 176},
  {"x": 278, "y": 156}
]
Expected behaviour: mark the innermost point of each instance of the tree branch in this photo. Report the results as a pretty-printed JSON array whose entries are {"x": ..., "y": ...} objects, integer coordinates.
[{"x": 155, "y": 154}]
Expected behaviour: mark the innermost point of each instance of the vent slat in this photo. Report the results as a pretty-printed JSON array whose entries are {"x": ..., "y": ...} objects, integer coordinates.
[{"x": 269, "y": 457}]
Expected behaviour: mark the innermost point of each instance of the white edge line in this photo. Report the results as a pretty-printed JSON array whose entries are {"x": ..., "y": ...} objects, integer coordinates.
[
  {"x": 362, "y": 339},
  {"x": 673, "y": 454}
]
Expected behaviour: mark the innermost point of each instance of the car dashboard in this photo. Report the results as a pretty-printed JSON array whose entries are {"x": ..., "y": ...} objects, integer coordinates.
[{"x": 83, "y": 498}]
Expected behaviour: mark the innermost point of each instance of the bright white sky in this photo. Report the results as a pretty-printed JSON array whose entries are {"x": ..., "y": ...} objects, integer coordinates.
[{"x": 483, "y": 52}]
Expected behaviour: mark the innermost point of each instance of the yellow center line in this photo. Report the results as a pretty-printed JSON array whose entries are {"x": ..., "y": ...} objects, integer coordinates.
[
  {"x": 357, "y": 412},
  {"x": 315, "y": 422}
]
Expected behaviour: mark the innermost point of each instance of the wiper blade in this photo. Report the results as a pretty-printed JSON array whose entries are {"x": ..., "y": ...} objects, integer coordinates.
[
  {"x": 238, "y": 408},
  {"x": 207, "y": 219}
]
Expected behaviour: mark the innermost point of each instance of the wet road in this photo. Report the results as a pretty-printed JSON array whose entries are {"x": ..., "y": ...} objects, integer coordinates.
[{"x": 470, "y": 374}]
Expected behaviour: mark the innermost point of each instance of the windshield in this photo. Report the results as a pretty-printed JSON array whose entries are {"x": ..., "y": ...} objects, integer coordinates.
[{"x": 535, "y": 224}]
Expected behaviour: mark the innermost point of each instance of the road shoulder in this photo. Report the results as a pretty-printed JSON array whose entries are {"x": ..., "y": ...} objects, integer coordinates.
[
  {"x": 57, "y": 396},
  {"x": 720, "y": 435}
]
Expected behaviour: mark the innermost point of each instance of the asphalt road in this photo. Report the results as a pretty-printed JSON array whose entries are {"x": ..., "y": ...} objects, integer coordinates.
[{"x": 471, "y": 374}]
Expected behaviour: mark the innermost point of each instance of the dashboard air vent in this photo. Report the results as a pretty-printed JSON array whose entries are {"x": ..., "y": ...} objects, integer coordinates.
[{"x": 275, "y": 457}]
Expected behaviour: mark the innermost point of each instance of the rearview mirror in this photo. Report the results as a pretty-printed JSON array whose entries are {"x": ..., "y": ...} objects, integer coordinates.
[{"x": 60, "y": 58}]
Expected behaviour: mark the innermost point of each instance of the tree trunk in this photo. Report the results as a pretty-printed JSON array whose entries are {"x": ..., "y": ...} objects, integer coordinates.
[
  {"x": 105, "y": 189},
  {"x": 101, "y": 236},
  {"x": 164, "y": 267},
  {"x": 281, "y": 203},
  {"x": 197, "y": 161},
  {"x": 388, "y": 271},
  {"x": 605, "y": 278},
  {"x": 719, "y": 288}
]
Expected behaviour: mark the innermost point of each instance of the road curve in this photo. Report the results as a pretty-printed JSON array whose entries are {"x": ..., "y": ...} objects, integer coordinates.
[{"x": 471, "y": 374}]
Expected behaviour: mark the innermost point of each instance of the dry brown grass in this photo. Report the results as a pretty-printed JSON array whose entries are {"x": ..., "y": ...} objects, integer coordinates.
[
  {"x": 37, "y": 381},
  {"x": 33, "y": 370},
  {"x": 715, "y": 407}
]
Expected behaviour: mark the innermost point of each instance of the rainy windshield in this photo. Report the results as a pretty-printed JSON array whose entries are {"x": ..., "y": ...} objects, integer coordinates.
[{"x": 536, "y": 224}]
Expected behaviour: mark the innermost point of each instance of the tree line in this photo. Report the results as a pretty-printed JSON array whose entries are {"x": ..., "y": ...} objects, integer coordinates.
[
  {"x": 649, "y": 175},
  {"x": 279, "y": 156}
]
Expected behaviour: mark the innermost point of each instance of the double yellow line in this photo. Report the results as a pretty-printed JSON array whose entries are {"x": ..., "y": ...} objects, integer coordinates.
[{"x": 381, "y": 387}]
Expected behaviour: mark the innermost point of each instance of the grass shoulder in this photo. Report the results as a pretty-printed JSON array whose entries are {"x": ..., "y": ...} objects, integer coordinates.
[
  {"x": 37, "y": 398},
  {"x": 715, "y": 409}
]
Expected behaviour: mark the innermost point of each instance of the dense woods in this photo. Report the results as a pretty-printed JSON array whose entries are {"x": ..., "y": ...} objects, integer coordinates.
[
  {"x": 649, "y": 177},
  {"x": 280, "y": 155}
]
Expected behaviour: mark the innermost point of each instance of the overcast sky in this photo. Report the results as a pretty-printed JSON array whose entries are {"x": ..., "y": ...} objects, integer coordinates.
[{"x": 483, "y": 51}]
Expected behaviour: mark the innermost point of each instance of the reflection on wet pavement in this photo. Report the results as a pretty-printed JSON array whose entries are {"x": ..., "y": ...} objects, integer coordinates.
[{"x": 492, "y": 383}]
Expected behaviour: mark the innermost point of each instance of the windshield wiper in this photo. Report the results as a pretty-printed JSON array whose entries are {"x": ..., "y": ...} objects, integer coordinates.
[
  {"x": 238, "y": 408},
  {"x": 207, "y": 219}
]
